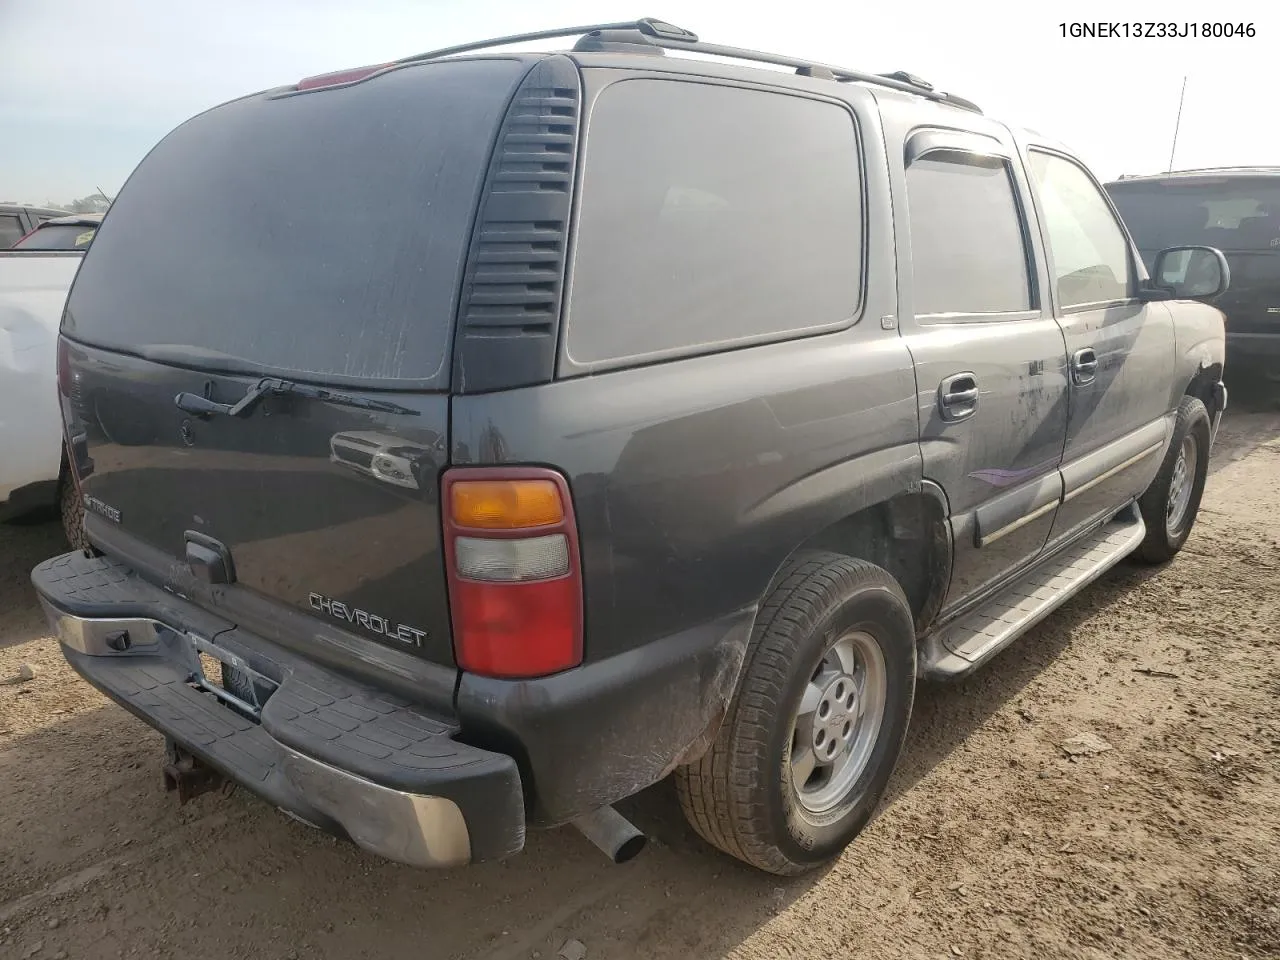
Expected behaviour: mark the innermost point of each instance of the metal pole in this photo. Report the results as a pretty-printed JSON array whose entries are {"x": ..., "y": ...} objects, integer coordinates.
[{"x": 1177, "y": 124}]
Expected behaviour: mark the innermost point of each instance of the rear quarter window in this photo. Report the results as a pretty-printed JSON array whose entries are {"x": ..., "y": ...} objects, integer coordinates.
[{"x": 712, "y": 217}]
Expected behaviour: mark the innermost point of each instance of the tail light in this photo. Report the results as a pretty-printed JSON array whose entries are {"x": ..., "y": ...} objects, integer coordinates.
[{"x": 515, "y": 576}]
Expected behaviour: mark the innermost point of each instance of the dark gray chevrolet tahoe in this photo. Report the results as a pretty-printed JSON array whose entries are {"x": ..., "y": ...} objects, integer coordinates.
[{"x": 516, "y": 430}]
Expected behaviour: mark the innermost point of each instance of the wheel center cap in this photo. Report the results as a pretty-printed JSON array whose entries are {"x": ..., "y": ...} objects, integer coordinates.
[{"x": 836, "y": 720}]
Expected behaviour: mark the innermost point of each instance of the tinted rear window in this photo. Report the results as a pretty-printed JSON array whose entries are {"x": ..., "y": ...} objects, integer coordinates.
[
  {"x": 1231, "y": 214},
  {"x": 712, "y": 217},
  {"x": 320, "y": 233},
  {"x": 59, "y": 236}
]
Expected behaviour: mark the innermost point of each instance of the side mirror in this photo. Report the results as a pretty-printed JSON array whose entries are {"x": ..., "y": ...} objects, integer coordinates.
[{"x": 1190, "y": 273}]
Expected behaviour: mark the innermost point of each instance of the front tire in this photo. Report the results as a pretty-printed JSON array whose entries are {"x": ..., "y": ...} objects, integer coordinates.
[
  {"x": 813, "y": 734},
  {"x": 1170, "y": 505}
]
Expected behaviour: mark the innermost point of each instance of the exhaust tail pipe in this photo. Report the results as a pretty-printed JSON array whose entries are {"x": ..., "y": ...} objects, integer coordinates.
[{"x": 615, "y": 835}]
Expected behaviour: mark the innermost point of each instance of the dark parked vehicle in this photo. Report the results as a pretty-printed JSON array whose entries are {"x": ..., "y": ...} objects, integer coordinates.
[
  {"x": 17, "y": 220},
  {"x": 649, "y": 415},
  {"x": 1237, "y": 210}
]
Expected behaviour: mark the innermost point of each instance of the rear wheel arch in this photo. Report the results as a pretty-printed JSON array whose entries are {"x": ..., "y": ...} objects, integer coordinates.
[{"x": 907, "y": 535}]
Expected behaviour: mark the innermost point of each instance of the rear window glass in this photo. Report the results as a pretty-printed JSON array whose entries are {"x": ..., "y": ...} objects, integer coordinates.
[
  {"x": 1237, "y": 214},
  {"x": 59, "y": 236},
  {"x": 712, "y": 217},
  {"x": 319, "y": 233}
]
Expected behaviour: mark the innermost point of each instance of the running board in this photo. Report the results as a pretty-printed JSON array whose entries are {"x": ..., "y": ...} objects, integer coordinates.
[{"x": 959, "y": 648}]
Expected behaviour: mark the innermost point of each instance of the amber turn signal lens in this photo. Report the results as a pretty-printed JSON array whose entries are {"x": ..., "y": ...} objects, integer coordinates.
[{"x": 505, "y": 504}]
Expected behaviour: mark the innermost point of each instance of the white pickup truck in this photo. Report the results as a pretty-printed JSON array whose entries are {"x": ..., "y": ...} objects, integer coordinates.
[{"x": 35, "y": 276}]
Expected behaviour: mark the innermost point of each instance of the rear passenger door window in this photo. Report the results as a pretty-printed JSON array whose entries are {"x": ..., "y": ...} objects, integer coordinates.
[
  {"x": 968, "y": 245},
  {"x": 1088, "y": 250},
  {"x": 712, "y": 217}
]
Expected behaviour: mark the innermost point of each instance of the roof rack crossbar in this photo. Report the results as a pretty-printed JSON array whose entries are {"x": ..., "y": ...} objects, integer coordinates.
[{"x": 661, "y": 34}]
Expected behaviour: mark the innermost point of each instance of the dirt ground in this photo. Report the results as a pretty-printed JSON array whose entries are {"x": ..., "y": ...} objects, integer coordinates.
[{"x": 992, "y": 842}]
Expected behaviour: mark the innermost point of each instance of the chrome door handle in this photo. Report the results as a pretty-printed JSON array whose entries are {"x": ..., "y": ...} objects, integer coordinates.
[
  {"x": 1084, "y": 366},
  {"x": 958, "y": 397}
]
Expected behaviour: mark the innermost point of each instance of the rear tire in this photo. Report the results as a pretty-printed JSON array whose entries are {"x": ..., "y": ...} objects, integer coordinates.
[
  {"x": 832, "y": 658},
  {"x": 1170, "y": 505},
  {"x": 71, "y": 506}
]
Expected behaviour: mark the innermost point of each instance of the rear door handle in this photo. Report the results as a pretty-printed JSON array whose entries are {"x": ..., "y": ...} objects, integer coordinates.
[
  {"x": 958, "y": 397},
  {"x": 1084, "y": 366}
]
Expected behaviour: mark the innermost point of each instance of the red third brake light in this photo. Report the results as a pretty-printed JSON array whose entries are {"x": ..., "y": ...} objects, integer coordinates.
[
  {"x": 515, "y": 576},
  {"x": 339, "y": 77}
]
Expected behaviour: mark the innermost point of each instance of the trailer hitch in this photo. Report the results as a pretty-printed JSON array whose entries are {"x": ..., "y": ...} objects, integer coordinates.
[{"x": 188, "y": 777}]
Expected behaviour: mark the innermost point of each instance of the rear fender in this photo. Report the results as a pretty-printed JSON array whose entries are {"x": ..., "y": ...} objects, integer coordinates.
[{"x": 876, "y": 508}]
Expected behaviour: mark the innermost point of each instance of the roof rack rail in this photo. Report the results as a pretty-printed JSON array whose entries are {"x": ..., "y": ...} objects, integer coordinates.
[
  {"x": 1243, "y": 170},
  {"x": 658, "y": 33},
  {"x": 649, "y": 27},
  {"x": 1247, "y": 167}
]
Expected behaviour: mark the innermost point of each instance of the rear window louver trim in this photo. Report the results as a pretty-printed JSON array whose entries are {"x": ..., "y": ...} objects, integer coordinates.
[{"x": 509, "y": 309}]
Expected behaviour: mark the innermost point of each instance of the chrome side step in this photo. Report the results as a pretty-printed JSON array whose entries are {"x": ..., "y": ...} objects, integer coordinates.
[{"x": 958, "y": 648}]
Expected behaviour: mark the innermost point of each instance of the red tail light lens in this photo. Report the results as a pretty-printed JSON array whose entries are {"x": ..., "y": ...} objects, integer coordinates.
[{"x": 515, "y": 576}]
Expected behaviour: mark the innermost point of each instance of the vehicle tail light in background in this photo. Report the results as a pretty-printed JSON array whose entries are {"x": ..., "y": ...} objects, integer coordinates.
[
  {"x": 339, "y": 77},
  {"x": 515, "y": 574}
]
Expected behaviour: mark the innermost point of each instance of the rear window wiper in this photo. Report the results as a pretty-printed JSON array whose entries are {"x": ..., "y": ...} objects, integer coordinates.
[{"x": 273, "y": 386}]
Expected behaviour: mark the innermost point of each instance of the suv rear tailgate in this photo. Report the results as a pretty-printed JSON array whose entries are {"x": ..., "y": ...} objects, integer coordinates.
[
  {"x": 301, "y": 525},
  {"x": 1252, "y": 303},
  {"x": 316, "y": 237}
]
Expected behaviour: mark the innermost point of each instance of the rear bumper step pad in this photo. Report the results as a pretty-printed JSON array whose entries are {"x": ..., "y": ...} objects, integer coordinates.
[{"x": 332, "y": 752}]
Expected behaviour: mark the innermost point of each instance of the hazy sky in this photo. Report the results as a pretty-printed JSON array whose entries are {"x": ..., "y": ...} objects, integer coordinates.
[{"x": 88, "y": 86}]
